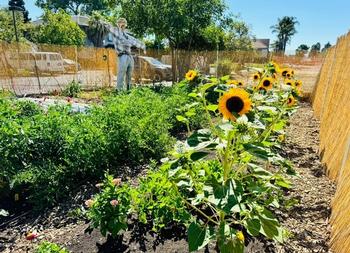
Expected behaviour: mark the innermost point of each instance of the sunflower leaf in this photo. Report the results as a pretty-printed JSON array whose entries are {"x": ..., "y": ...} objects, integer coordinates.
[
  {"x": 212, "y": 108},
  {"x": 207, "y": 86},
  {"x": 181, "y": 118}
]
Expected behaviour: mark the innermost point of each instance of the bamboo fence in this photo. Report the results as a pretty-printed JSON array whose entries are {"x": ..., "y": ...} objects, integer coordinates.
[{"x": 331, "y": 103}]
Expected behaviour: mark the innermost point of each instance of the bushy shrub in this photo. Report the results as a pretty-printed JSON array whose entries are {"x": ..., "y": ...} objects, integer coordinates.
[{"x": 72, "y": 90}]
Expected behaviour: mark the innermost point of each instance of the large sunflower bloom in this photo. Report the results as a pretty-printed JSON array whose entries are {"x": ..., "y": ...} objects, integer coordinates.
[
  {"x": 267, "y": 83},
  {"x": 235, "y": 101},
  {"x": 291, "y": 101},
  {"x": 191, "y": 75}
]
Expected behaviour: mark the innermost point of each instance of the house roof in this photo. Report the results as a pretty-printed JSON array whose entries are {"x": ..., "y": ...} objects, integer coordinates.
[
  {"x": 80, "y": 20},
  {"x": 261, "y": 43}
]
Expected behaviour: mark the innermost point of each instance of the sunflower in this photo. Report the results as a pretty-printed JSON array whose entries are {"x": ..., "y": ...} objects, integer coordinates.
[
  {"x": 298, "y": 83},
  {"x": 267, "y": 83},
  {"x": 289, "y": 74},
  {"x": 274, "y": 76},
  {"x": 256, "y": 76},
  {"x": 191, "y": 75},
  {"x": 289, "y": 82},
  {"x": 232, "y": 82},
  {"x": 291, "y": 101},
  {"x": 235, "y": 101},
  {"x": 240, "y": 83},
  {"x": 284, "y": 71},
  {"x": 276, "y": 67},
  {"x": 299, "y": 92},
  {"x": 281, "y": 138}
]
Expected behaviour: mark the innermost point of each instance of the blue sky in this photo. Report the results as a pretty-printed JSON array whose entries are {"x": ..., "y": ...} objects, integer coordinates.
[{"x": 320, "y": 20}]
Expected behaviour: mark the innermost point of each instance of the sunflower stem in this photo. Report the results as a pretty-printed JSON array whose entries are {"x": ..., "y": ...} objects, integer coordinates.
[
  {"x": 193, "y": 206},
  {"x": 207, "y": 112},
  {"x": 226, "y": 161}
]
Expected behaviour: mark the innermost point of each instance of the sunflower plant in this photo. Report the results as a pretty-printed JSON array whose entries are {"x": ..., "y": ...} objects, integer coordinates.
[{"x": 224, "y": 182}]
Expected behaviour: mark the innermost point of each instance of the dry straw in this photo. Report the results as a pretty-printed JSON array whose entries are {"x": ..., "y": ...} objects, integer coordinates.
[{"x": 331, "y": 103}]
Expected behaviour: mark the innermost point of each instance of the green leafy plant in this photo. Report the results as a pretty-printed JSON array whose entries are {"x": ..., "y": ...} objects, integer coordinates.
[
  {"x": 225, "y": 181},
  {"x": 72, "y": 90},
  {"x": 48, "y": 247},
  {"x": 45, "y": 153},
  {"x": 113, "y": 202}
]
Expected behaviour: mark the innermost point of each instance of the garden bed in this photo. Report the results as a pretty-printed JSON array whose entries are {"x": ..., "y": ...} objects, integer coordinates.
[{"x": 307, "y": 220}]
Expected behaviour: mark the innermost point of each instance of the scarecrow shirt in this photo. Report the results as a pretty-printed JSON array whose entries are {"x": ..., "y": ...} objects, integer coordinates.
[{"x": 123, "y": 41}]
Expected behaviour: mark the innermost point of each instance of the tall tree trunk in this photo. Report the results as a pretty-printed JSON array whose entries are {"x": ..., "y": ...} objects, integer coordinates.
[{"x": 173, "y": 62}]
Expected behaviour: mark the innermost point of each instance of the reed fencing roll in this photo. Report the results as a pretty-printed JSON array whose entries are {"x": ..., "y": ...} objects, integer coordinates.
[
  {"x": 331, "y": 104},
  {"x": 27, "y": 68}
]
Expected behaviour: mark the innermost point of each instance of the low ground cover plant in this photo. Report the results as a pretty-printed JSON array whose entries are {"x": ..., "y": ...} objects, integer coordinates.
[
  {"x": 48, "y": 247},
  {"x": 224, "y": 181}
]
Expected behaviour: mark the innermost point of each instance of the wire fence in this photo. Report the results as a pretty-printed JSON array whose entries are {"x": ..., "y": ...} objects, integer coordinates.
[
  {"x": 40, "y": 69},
  {"x": 331, "y": 103}
]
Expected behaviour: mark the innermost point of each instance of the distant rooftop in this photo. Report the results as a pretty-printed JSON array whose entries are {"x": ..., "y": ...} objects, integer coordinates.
[
  {"x": 80, "y": 20},
  {"x": 261, "y": 44}
]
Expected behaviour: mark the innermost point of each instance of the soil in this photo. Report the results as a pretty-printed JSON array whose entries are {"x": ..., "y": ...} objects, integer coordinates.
[{"x": 307, "y": 221}]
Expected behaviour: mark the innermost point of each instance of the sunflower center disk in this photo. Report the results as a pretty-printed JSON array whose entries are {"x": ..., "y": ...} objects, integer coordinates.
[
  {"x": 235, "y": 104},
  {"x": 266, "y": 83}
]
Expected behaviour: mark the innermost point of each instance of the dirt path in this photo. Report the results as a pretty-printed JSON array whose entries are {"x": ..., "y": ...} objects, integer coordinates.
[{"x": 307, "y": 221}]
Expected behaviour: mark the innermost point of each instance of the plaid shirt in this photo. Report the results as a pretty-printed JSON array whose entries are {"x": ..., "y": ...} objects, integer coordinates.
[{"x": 123, "y": 41}]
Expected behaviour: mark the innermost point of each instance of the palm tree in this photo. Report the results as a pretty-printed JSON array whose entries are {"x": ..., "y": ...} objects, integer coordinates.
[{"x": 285, "y": 29}]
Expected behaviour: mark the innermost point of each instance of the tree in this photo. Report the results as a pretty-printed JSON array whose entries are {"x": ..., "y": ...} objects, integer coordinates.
[
  {"x": 301, "y": 50},
  {"x": 18, "y": 5},
  {"x": 326, "y": 47},
  {"x": 75, "y": 7},
  {"x": 209, "y": 38},
  {"x": 175, "y": 20},
  {"x": 238, "y": 36},
  {"x": 7, "y": 30},
  {"x": 59, "y": 28},
  {"x": 315, "y": 49},
  {"x": 285, "y": 29},
  {"x": 155, "y": 43}
]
